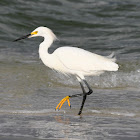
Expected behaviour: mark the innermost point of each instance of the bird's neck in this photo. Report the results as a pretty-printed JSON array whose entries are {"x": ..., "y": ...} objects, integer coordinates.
[
  {"x": 43, "y": 49},
  {"x": 43, "y": 52},
  {"x": 46, "y": 43}
]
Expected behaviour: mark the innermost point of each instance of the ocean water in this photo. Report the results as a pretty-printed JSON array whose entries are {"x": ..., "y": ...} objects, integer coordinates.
[{"x": 29, "y": 91}]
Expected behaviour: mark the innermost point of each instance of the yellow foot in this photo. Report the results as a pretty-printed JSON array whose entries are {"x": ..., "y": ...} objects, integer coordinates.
[{"x": 62, "y": 102}]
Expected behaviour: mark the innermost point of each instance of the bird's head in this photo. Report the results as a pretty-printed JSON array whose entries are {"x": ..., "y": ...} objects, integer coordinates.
[{"x": 40, "y": 31}]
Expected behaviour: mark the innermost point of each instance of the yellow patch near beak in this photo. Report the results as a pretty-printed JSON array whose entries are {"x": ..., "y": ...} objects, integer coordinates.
[{"x": 34, "y": 33}]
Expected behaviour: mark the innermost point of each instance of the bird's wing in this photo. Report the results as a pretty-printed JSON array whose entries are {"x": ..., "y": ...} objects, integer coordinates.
[{"x": 82, "y": 60}]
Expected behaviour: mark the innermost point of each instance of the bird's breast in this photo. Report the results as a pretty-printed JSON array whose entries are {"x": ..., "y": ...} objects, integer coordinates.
[{"x": 51, "y": 61}]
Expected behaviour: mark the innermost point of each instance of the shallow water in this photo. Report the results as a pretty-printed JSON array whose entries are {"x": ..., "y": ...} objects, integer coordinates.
[{"x": 29, "y": 91}]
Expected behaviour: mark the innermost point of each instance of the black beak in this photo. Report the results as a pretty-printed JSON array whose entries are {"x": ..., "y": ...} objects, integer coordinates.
[{"x": 23, "y": 37}]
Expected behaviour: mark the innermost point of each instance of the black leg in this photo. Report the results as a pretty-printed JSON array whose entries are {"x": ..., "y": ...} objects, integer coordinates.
[
  {"x": 84, "y": 98},
  {"x": 81, "y": 94},
  {"x": 84, "y": 95},
  {"x": 90, "y": 90},
  {"x": 82, "y": 87},
  {"x": 82, "y": 105},
  {"x": 75, "y": 95}
]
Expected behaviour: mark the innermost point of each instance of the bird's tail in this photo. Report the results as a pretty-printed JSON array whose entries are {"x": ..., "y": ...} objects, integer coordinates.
[
  {"x": 112, "y": 57},
  {"x": 113, "y": 66}
]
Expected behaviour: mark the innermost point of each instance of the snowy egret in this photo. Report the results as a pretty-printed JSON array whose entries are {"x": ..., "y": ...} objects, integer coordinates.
[{"x": 72, "y": 61}]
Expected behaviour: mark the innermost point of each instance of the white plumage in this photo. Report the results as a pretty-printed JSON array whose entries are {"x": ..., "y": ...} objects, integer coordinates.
[
  {"x": 71, "y": 60},
  {"x": 87, "y": 63}
]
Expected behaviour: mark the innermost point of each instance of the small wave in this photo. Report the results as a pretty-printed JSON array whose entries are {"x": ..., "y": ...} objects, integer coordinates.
[
  {"x": 107, "y": 80},
  {"x": 128, "y": 75},
  {"x": 123, "y": 114},
  {"x": 115, "y": 113},
  {"x": 27, "y": 112}
]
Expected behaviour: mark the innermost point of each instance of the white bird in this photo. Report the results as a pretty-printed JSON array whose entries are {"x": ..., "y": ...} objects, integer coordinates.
[{"x": 71, "y": 61}]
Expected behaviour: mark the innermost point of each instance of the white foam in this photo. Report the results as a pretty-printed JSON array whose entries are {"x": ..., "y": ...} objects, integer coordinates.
[
  {"x": 123, "y": 114},
  {"x": 117, "y": 113},
  {"x": 27, "y": 111},
  {"x": 95, "y": 111}
]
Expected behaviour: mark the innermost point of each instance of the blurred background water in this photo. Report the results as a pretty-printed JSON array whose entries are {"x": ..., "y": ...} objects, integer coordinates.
[{"x": 29, "y": 91}]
